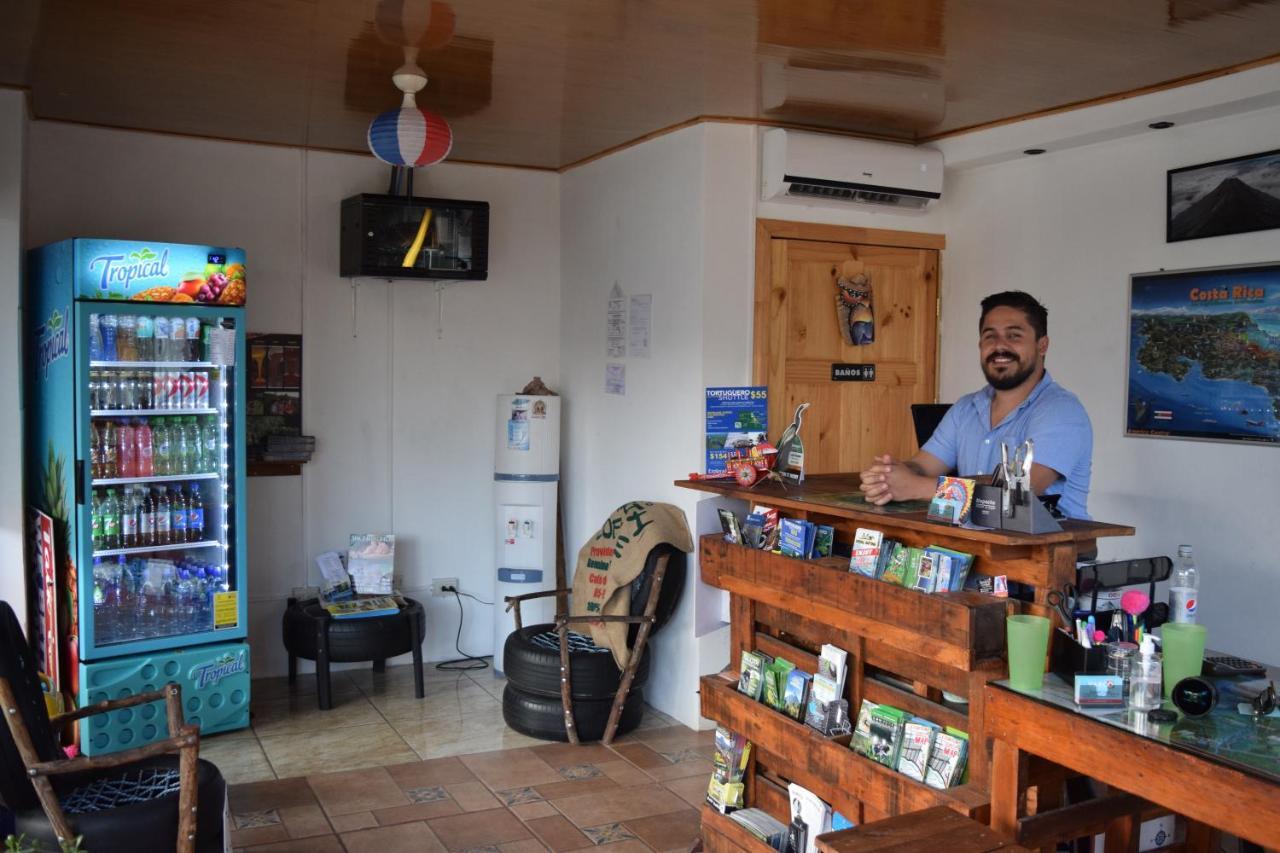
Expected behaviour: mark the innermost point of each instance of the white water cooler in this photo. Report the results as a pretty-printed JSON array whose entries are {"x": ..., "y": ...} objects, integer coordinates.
[{"x": 526, "y": 477}]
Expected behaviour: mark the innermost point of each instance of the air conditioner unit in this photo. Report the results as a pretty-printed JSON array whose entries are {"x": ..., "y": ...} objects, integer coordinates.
[{"x": 827, "y": 167}]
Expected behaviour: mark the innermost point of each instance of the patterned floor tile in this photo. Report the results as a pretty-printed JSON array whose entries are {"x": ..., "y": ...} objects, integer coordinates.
[
  {"x": 581, "y": 771},
  {"x": 519, "y": 796},
  {"x": 608, "y": 833},
  {"x": 429, "y": 794},
  {"x": 250, "y": 820},
  {"x": 489, "y": 849}
]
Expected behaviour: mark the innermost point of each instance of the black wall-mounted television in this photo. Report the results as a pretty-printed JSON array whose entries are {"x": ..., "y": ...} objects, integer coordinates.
[{"x": 389, "y": 236}]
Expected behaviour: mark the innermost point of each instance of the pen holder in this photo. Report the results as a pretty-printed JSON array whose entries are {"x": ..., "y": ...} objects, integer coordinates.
[{"x": 1067, "y": 657}]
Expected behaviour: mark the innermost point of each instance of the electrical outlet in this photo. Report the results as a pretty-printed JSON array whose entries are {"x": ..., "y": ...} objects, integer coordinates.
[{"x": 438, "y": 585}]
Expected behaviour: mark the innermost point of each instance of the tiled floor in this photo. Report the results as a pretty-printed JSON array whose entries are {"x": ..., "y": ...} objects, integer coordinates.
[{"x": 388, "y": 772}]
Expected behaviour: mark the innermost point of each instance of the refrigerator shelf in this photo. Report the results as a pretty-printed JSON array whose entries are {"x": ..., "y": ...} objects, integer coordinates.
[
  {"x": 167, "y": 478},
  {"x": 166, "y": 365},
  {"x": 144, "y": 413},
  {"x": 149, "y": 549}
]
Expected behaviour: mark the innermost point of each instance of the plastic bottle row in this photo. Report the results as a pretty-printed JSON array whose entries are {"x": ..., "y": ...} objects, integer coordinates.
[
  {"x": 140, "y": 599},
  {"x": 148, "y": 389},
  {"x": 155, "y": 447},
  {"x": 129, "y": 337},
  {"x": 144, "y": 517}
]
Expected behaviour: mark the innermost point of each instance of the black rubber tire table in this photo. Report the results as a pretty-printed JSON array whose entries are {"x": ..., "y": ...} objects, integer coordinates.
[{"x": 310, "y": 632}]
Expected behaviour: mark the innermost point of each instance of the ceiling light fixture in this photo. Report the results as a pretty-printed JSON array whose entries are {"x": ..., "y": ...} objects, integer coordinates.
[
  {"x": 1033, "y": 151},
  {"x": 411, "y": 137},
  {"x": 1160, "y": 125}
]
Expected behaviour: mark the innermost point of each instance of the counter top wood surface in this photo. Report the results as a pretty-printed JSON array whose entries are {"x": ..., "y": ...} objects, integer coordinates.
[{"x": 840, "y": 496}]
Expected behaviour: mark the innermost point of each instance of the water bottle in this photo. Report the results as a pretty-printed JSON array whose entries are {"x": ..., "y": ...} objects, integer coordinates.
[
  {"x": 95, "y": 337},
  {"x": 211, "y": 442},
  {"x": 186, "y": 622},
  {"x": 1144, "y": 678},
  {"x": 1184, "y": 588},
  {"x": 109, "y": 324},
  {"x": 160, "y": 332},
  {"x": 161, "y": 448},
  {"x": 179, "y": 451},
  {"x": 170, "y": 613},
  {"x": 146, "y": 338},
  {"x": 192, "y": 464}
]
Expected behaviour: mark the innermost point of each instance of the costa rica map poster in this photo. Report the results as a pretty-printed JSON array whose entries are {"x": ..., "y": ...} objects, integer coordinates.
[{"x": 1204, "y": 354}]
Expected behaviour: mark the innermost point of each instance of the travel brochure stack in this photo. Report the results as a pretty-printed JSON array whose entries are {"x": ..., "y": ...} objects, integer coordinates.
[
  {"x": 913, "y": 746},
  {"x": 930, "y": 569},
  {"x": 725, "y": 790},
  {"x": 367, "y": 571},
  {"x": 814, "y": 699}
]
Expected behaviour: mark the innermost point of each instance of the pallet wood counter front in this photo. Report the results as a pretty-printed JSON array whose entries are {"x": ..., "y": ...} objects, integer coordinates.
[{"x": 905, "y": 647}]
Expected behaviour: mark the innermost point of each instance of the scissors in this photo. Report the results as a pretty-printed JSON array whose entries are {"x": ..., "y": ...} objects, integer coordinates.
[{"x": 1061, "y": 600}]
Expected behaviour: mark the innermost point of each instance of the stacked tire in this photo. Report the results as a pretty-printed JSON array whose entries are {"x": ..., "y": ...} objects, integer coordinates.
[{"x": 531, "y": 701}]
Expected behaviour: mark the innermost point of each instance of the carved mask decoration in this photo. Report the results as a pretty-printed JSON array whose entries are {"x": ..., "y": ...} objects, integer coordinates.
[{"x": 853, "y": 308}]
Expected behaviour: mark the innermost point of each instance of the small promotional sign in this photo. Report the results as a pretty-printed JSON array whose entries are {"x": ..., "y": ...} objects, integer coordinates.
[
  {"x": 737, "y": 419},
  {"x": 853, "y": 373}
]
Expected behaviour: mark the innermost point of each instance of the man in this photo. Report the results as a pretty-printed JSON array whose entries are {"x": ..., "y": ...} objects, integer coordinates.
[{"x": 1020, "y": 401}]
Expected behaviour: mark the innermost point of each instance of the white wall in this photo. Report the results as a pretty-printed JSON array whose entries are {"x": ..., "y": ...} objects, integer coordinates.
[
  {"x": 13, "y": 128},
  {"x": 1070, "y": 227},
  {"x": 402, "y": 417}
]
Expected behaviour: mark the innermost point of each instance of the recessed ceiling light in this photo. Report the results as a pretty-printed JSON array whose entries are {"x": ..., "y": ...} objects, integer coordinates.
[
  {"x": 1033, "y": 151},
  {"x": 1160, "y": 125}
]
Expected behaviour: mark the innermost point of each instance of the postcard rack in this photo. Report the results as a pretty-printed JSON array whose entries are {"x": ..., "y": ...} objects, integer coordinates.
[{"x": 905, "y": 648}]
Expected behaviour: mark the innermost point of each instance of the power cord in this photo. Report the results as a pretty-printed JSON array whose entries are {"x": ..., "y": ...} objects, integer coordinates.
[{"x": 466, "y": 663}]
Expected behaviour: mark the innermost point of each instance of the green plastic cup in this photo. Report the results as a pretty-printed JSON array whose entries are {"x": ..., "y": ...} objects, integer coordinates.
[
  {"x": 1183, "y": 648},
  {"x": 1028, "y": 646}
]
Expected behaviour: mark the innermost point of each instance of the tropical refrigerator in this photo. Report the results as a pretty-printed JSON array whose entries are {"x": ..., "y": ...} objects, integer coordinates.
[{"x": 134, "y": 446}]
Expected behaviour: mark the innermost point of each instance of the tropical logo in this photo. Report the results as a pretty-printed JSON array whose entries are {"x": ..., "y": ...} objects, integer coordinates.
[
  {"x": 122, "y": 270},
  {"x": 212, "y": 672},
  {"x": 53, "y": 340}
]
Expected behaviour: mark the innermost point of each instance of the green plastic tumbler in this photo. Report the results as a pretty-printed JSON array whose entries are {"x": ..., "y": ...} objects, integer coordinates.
[
  {"x": 1028, "y": 645},
  {"x": 1183, "y": 648}
]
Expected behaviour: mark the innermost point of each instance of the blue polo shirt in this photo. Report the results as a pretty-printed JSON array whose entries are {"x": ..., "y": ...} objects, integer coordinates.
[{"x": 1051, "y": 415}]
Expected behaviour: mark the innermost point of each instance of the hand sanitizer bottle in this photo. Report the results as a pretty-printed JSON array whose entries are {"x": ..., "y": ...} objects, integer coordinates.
[{"x": 1144, "y": 678}]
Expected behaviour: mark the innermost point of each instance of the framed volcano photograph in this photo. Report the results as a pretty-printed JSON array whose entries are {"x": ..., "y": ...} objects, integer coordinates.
[{"x": 1232, "y": 196}]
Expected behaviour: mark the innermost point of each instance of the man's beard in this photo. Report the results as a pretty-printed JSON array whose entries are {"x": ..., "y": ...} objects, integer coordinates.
[{"x": 1009, "y": 380}]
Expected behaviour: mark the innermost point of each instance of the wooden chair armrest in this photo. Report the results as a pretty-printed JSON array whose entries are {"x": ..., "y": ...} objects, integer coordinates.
[
  {"x": 189, "y": 737},
  {"x": 512, "y": 600},
  {"x": 112, "y": 705}
]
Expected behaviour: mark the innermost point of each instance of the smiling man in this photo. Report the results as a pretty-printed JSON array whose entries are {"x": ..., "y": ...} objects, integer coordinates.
[{"x": 1020, "y": 401}]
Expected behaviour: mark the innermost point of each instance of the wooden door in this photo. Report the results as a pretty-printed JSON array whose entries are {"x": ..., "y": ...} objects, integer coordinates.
[{"x": 798, "y": 338}]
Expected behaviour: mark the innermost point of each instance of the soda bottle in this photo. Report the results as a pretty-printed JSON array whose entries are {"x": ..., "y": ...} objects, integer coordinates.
[
  {"x": 178, "y": 453},
  {"x": 126, "y": 450},
  {"x": 195, "y": 515},
  {"x": 110, "y": 451},
  {"x": 147, "y": 520},
  {"x": 210, "y": 445},
  {"x": 109, "y": 325},
  {"x": 192, "y": 464},
  {"x": 177, "y": 516},
  {"x": 177, "y": 339},
  {"x": 110, "y": 521},
  {"x": 161, "y": 333},
  {"x": 144, "y": 457},
  {"x": 1184, "y": 587},
  {"x": 193, "y": 339},
  {"x": 95, "y": 451},
  {"x": 161, "y": 448},
  {"x": 127, "y": 338},
  {"x": 128, "y": 520},
  {"x": 164, "y": 532},
  {"x": 96, "y": 514},
  {"x": 95, "y": 337}
]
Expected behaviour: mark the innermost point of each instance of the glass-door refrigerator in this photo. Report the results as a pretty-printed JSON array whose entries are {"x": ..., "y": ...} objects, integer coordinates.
[{"x": 134, "y": 442}]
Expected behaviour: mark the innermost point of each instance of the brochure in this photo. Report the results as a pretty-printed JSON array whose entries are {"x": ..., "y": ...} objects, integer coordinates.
[
  {"x": 371, "y": 562},
  {"x": 363, "y": 608}
]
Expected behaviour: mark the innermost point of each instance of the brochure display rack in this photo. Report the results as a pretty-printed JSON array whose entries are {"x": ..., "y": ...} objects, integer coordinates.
[{"x": 905, "y": 648}]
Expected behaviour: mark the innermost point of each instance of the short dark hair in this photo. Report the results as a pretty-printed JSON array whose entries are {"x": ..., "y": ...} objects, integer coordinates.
[{"x": 1037, "y": 314}]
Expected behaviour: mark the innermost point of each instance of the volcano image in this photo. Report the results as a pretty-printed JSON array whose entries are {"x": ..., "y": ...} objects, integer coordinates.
[{"x": 1230, "y": 208}]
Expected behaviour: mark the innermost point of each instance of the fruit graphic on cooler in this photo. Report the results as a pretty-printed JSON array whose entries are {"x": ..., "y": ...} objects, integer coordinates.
[{"x": 192, "y": 282}]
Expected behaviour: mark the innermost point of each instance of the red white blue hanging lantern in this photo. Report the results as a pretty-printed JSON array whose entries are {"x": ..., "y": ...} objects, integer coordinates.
[{"x": 409, "y": 135}]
